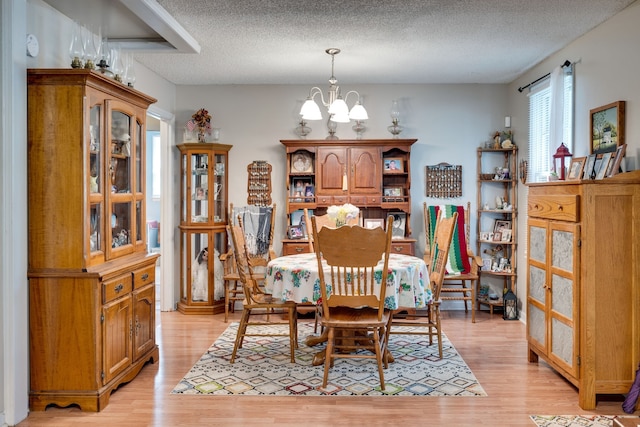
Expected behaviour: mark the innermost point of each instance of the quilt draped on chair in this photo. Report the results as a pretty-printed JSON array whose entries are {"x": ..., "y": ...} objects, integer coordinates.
[
  {"x": 256, "y": 221},
  {"x": 458, "y": 262}
]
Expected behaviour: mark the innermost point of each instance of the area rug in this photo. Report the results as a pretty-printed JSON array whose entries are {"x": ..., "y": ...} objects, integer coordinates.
[
  {"x": 262, "y": 367},
  {"x": 573, "y": 420}
]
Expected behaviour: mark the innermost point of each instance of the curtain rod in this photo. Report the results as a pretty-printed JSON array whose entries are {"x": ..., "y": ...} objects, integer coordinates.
[{"x": 564, "y": 64}]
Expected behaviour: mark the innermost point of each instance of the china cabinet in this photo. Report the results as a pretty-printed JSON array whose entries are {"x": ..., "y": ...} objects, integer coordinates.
[
  {"x": 374, "y": 175},
  {"x": 497, "y": 221},
  {"x": 583, "y": 281},
  {"x": 91, "y": 281},
  {"x": 203, "y": 221}
]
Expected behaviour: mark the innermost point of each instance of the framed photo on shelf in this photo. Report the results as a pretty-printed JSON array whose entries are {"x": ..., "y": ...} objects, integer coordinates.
[
  {"x": 485, "y": 236},
  {"x": 588, "y": 167},
  {"x": 486, "y": 264},
  {"x": 297, "y": 217},
  {"x": 309, "y": 193},
  {"x": 506, "y": 236},
  {"x": 393, "y": 191},
  {"x": 501, "y": 225},
  {"x": 201, "y": 193},
  {"x": 374, "y": 223},
  {"x": 497, "y": 236},
  {"x": 393, "y": 164},
  {"x": 399, "y": 221},
  {"x": 298, "y": 188},
  {"x": 604, "y": 165},
  {"x": 295, "y": 232},
  {"x": 617, "y": 160},
  {"x": 607, "y": 127},
  {"x": 576, "y": 167}
]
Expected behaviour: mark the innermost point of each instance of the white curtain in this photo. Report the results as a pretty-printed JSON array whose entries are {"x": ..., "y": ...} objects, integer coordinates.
[{"x": 556, "y": 113}]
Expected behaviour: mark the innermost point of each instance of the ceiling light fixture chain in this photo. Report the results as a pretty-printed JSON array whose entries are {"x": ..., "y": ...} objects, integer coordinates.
[{"x": 337, "y": 106}]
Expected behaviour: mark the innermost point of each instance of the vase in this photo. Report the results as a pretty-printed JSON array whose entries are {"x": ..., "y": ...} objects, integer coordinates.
[
  {"x": 201, "y": 137},
  {"x": 340, "y": 223}
]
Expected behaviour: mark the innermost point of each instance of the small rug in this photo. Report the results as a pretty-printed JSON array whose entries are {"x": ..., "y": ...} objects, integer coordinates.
[
  {"x": 573, "y": 420},
  {"x": 262, "y": 367}
]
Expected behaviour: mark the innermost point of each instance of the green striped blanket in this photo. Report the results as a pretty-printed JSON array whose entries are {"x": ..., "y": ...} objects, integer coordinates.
[{"x": 458, "y": 262}]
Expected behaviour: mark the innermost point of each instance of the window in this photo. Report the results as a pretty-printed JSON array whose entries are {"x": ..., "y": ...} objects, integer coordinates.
[{"x": 542, "y": 145}]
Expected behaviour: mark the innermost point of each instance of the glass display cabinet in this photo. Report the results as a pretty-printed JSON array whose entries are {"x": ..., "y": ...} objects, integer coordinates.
[
  {"x": 88, "y": 261},
  {"x": 203, "y": 221}
]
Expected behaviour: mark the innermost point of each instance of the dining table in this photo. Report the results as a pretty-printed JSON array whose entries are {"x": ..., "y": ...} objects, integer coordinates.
[{"x": 296, "y": 278}]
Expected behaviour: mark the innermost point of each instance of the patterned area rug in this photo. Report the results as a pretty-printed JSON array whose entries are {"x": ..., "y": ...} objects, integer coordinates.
[
  {"x": 262, "y": 367},
  {"x": 574, "y": 420}
]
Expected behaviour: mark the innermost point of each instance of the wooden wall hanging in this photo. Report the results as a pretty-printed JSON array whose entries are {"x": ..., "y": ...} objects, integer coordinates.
[
  {"x": 259, "y": 183},
  {"x": 444, "y": 180}
]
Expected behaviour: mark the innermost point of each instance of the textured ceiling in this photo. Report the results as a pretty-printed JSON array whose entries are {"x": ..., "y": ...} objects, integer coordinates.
[{"x": 391, "y": 41}]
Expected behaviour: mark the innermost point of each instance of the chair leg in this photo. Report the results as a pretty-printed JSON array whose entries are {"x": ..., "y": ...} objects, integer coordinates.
[
  {"x": 473, "y": 299},
  {"x": 242, "y": 329},
  {"x": 328, "y": 356},
  {"x": 227, "y": 298},
  {"x": 293, "y": 334},
  {"x": 378, "y": 348},
  {"x": 438, "y": 329}
]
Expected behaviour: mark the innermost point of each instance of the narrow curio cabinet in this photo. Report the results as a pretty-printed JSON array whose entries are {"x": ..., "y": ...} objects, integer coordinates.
[
  {"x": 583, "y": 281},
  {"x": 497, "y": 222},
  {"x": 91, "y": 281},
  {"x": 203, "y": 222},
  {"x": 374, "y": 175}
]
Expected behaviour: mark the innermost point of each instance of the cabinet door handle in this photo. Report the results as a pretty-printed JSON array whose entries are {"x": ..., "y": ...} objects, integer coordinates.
[
  {"x": 145, "y": 276},
  {"x": 118, "y": 287}
]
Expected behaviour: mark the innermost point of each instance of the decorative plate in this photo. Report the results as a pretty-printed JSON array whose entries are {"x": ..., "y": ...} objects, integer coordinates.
[{"x": 301, "y": 162}]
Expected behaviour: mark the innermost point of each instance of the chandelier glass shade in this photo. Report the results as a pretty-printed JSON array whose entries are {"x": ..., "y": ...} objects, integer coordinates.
[{"x": 337, "y": 105}]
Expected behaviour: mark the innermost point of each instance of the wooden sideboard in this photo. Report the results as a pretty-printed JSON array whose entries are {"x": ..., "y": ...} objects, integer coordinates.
[{"x": 374, "y": 175}]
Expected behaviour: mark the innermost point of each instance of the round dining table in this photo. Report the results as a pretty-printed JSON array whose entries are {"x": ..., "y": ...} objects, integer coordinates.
[{"x": 296, "y": 278}]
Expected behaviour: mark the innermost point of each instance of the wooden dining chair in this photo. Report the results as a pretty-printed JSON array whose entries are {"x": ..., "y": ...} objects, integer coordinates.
[
  {"x": 427, "y": 321},
  {"x": 321, "y": 221},
  {"x": 258, "y": 304},
  {"x": 353, "y": 309},
  {"x": 462, "y": 275},
  {"x": 233, "y": 289}
]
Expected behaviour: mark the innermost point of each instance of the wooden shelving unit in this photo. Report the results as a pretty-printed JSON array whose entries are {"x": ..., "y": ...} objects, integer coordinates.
[{"x": 497, "y": 205}]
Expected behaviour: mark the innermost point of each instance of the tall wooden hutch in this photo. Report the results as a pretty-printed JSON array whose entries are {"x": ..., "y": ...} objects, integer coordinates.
[
  {"x": 203, "y": 222},
  {"x": 374, "y": 175},
  {"x": 91, "y": 281}
]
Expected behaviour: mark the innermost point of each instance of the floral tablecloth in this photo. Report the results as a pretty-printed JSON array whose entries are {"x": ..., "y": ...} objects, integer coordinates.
[{"x": 295, "y": 278}]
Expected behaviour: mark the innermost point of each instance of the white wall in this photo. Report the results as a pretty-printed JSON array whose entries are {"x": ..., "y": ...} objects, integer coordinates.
[
  {"x": 606, "y": 71},
  {"x": 449, "y": 121}
]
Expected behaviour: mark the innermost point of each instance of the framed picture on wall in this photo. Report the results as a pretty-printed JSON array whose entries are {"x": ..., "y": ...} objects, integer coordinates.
[{"x": 607, "y": 127}]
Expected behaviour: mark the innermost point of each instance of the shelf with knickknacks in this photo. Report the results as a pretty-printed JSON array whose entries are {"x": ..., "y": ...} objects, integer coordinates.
[{"x": 497, "y": 215}]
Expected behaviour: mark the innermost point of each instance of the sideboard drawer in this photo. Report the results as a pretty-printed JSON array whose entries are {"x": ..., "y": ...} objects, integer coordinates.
[
  {"x": 563, "y": 207},
  {"x": 289, "y": 248},
  {"x": 405, "y": 248},
  {"x": 116, "y": 288},
  {"x": 144, "y": 276}
]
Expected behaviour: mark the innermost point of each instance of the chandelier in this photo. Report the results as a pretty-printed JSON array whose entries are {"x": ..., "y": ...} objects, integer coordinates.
[{"x": 336, "y": 104}]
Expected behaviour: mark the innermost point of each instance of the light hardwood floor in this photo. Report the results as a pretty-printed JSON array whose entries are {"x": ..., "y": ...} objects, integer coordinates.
[{"x": 494, "y": 349}]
